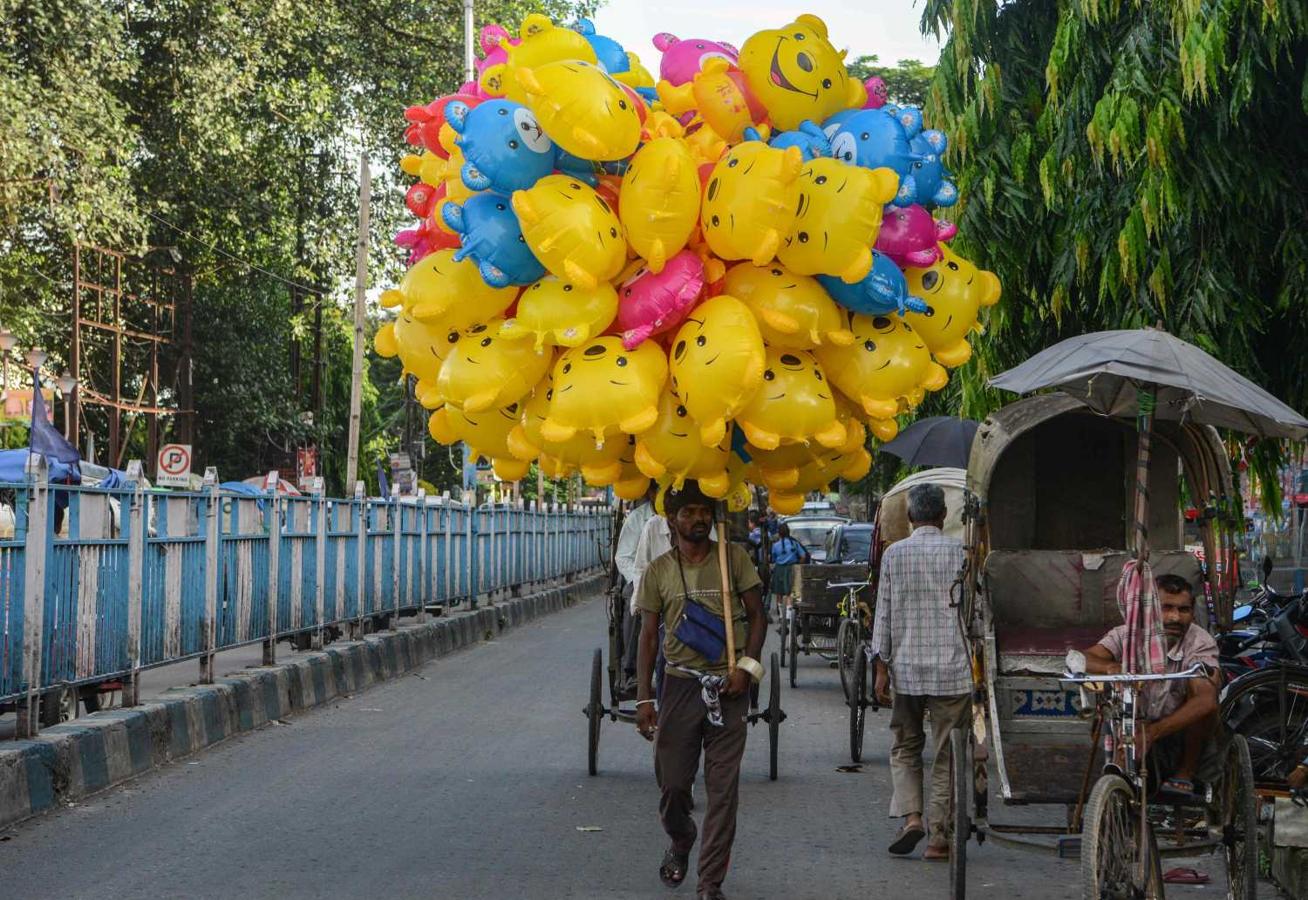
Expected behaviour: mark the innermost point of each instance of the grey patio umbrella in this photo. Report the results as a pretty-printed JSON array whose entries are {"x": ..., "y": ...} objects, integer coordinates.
[
  {"x": 1146, "y": 373},
  {"x": 935, "y": 441}
]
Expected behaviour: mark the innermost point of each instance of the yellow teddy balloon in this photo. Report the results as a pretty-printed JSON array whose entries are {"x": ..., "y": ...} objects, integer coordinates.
[
  {"x": 628, "y": 482},
  {"x": 885, "y": 366},
  {"x": 602, "y": 385},
  {"x": 636, "y": 76},
  {"x": 796, "y": 73},
  {"x": 717, "y": 364},
  {"x": 582, "y": 109},
  {"x": 795, "y": 403},
  {"x": 558, "y": 459},
  {"x": 955, "y": 290},
  {"x": 750, "y": 202},
  {"x": 421, "y": 346},
  {"x": 778, "y": 469},
  {"x": 855, "y": 430},
  {"x": 817, "y": 476},
  {"x": 660, "y": 200},
  {"x": 484, "y": 371},
  {"x": 671, "y": 451},
  {"x": 839, "y": 216},
  {"x": 542, "y": 43},
  {"x": 572, "y": 230},
  {"x": 554, "y": 313},
  {"x": 793, "y": 311},
  {"x": 486, "y": 433},
  {"x": 437, "y": 289}
]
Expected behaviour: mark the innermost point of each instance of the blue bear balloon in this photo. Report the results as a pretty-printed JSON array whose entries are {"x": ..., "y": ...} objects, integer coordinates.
[
  {"x": 927, "y": 184},
  {"x": 609, "y": 52},
  {"x": 505, "y": 147},
  {"x": 809, "y": 138},
  {"x": 493, "y": 240},
  {"x": 873, "y": 138},
  {"x": 882, "y": 292}
]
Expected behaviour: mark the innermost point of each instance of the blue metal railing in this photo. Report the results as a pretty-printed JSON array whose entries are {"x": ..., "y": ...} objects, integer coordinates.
[{"x": 136, "y": 578}]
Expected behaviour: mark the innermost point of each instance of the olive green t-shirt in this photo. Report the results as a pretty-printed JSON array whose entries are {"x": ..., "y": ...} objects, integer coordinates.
[{"x": 662, "y": 593}]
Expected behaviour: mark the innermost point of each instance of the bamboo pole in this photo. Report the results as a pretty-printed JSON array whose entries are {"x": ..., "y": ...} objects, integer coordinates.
[
  {"x": 725, "y": 571},
  {"x": 360, "y": 316}
]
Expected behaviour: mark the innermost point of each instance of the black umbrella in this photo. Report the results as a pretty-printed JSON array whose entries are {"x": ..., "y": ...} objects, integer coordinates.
[{"x": 937, "y": 441}]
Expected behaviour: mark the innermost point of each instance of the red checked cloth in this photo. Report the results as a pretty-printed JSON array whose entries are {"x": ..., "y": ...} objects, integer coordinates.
[{"x": 1137, "y": 599}]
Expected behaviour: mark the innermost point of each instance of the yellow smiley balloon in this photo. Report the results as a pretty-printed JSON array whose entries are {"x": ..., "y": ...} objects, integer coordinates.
[
  {"x": 542, "y": 43},
  {"x": 717, "y": 364},
  {"x": 796, "y": 73},
  {"x": 795, "y": 404},
  {"x": 602, "y": 385},
  {"x": 671, "y": 451},
  {"x": 582, "y": 109},
  {"x": 572, "y": 230},
  {"x": 955, "y": 290},
  {"x": 554, "y": 313},
  {"x": 793, "y": 311},
  {"x": 486, "y": 433},
  {"x": 484, "y": 371},
  {"x": 558, "y": 459},
  {"x": 437, "y": 289},
  {"x": 421, "y": 346},
  {"x": 839, "y": 216},
  {"x": 817, "y": 475},
  {"x": 628, "y": 482},
  {"x": 885, "y": 366},
  {"x": 660, "y": 200},
  {"x": 750, "y": 202}
]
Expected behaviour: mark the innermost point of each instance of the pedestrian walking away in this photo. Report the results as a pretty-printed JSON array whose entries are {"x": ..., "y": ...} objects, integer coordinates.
[
  {"x": 630, "y": 570},
  {"x": 702, "y": 703},
  {"x": 921, "y": 655},
  {"x": 786, "y": 554}
]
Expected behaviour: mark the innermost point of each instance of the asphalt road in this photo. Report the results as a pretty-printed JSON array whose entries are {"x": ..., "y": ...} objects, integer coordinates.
[{"x": 467, "y": 780}]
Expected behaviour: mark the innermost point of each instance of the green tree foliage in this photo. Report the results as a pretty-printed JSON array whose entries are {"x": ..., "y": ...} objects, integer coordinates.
[
  {"x": 907, "y": 81},
  {"x": 1128, "y": 163},
  {"x": 230, "y": 131}
]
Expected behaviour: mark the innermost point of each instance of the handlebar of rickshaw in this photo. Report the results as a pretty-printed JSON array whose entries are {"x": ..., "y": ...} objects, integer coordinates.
[
  {"x": 847, "y": 584},
  {"x": 1198, "y": 670}
]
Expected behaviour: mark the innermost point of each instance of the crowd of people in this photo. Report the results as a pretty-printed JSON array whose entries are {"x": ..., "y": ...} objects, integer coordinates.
[{"x": 693, "y": 704}]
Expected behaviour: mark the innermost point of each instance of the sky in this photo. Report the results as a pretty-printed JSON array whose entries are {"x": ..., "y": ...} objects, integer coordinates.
[{"x": 887, "y": 28}]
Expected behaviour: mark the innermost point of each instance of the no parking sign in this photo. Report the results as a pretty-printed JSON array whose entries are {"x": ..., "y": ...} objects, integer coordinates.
[{"x": 173, "y": 467}]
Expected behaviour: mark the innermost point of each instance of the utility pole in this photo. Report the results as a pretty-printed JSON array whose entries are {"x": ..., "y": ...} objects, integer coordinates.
[
  {"x": 360, "y": 310},
  {"x": 469, "y": 61}
]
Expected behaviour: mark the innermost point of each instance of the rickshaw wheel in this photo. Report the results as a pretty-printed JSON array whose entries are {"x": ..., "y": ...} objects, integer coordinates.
[
  {"x": 846, "y": 647},
  {"x": 593, "y": 712},
  {"x": 1109, "y": 840},
  {"x": 1239, "y": 822},
  {"x": 774, "y": 718},
  {"x": 858, "y": 708},
  {"x": 794, "y": 651},
  {"x": 784, "y": 631},
  {"x": 960, "y": 777}
]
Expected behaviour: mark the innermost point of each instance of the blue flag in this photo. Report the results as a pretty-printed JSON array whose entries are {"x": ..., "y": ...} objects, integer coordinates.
[{"x": 45, "y": 438}]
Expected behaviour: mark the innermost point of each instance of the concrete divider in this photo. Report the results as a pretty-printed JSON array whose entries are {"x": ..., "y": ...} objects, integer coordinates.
[{"x": 76, "y": 759}]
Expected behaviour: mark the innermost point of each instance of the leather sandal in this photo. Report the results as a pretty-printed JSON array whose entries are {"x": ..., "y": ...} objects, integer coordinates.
[{"x": 672, "y": 871}]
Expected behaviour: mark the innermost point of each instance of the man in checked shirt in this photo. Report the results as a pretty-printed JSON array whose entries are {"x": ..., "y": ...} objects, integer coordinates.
[{"x": 920, "y": 652}]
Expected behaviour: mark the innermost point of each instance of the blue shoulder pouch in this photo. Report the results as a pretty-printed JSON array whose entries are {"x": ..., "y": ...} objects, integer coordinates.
[{"x": 702, "y": 631}]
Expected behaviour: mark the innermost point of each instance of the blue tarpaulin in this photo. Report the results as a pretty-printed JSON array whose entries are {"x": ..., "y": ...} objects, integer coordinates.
[{"x": 13, "y": 465}]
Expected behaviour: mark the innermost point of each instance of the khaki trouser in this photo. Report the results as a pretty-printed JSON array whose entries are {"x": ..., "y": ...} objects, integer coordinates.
[
  {"x": 906, "y": 715},
  {"x": 683, "y": 730}
]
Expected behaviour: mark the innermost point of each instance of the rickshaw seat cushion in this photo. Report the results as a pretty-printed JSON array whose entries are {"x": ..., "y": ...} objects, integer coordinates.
[{"x": 1028, "y": 641}]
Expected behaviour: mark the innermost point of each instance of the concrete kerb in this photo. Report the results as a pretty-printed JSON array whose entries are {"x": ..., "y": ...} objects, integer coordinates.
[{"x": 74, "y": 760}]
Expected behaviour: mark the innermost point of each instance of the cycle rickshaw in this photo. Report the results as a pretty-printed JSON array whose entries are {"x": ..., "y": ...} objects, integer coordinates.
[
  {"x": 1048, "y": 529},
  {"x": 615, "y": 605}
]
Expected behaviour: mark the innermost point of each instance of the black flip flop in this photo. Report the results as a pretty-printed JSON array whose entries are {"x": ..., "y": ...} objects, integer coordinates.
[
  {"x": 907, "y": 840},
  {"x": 672, "y": 871}
]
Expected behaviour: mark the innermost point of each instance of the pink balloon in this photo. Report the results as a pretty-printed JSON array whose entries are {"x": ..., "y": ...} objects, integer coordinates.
[
  {"x": 650, "y": 304},
  {"x": 683, "y": 58},
  {"x": 877, "y": 93},
  {"x": 909, "y": 236}
]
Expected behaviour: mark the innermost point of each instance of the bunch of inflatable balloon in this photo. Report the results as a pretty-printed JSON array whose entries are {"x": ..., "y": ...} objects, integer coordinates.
[{"x": 730, "y": 274}]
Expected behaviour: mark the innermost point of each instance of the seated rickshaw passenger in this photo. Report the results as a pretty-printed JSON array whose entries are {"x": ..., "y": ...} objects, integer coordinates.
[{"x": 1183, "y": 725}]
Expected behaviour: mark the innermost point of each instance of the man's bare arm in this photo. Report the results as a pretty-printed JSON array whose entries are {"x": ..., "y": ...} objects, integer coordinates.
[
  {"x": 1098, "y": 661},
  {"x": 1199, "y": 705}
]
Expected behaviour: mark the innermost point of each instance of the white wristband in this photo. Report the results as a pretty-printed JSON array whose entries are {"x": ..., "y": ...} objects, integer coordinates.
[
  {"x": 752, "y": 666},
  {"x": 643, "y": 702}
]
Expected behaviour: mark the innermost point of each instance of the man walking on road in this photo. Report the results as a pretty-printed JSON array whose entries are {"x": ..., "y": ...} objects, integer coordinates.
[
  {"x": 920, "y": 651},
  {"x": 702, "y": 706}
]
